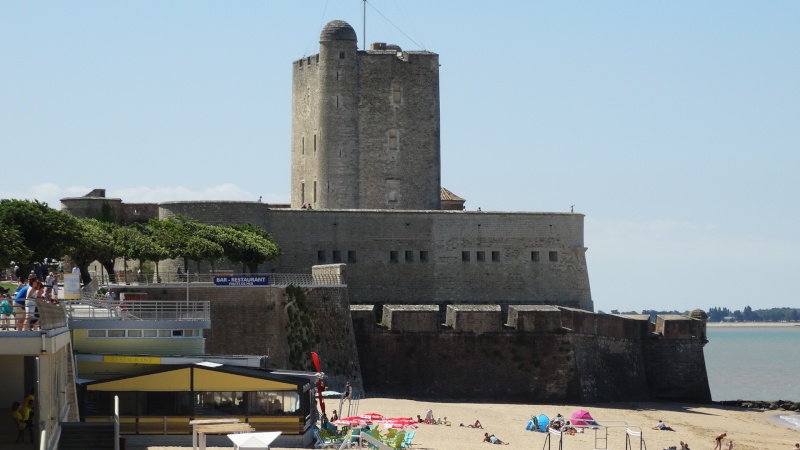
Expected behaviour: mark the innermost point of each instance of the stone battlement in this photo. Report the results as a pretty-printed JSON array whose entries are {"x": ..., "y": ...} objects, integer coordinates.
[{"x": 481, "y": 319}]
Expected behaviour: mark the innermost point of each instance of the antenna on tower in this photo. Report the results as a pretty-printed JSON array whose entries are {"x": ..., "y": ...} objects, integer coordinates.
[{"x": 364, "y": 25}]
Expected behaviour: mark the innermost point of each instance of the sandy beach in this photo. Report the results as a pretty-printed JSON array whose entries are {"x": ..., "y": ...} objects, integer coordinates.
[{"x": 697, "y": 425}]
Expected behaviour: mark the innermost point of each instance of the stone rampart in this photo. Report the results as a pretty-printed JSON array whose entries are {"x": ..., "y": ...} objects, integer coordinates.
[{"x": 542, "y": 354}]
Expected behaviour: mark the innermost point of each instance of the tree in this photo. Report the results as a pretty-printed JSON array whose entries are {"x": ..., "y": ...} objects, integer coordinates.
[
  {"x": 12, "y": 246},
  {"x": 254, "y": 246},
  {"x": 180, "y": 237},
  {"x": 45, "y": 232},
  {"x": 91, "y": 241},
  {"x": 136, "y": 242}
]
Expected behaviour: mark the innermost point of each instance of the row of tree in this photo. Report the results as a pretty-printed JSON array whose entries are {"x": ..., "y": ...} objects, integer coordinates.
[
  {"x": 717, "y": 314},
  {"x": 33, "y": 232}
]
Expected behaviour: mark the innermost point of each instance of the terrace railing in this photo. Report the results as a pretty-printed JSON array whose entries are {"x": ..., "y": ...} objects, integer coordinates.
[
  {"x": 276, "y": 279},
  {"x": 97, "y": 307}
]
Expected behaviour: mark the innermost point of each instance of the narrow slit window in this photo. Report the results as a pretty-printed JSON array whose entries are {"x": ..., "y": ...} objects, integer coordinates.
[
  {"x": 535, "y": 256},
  {"x": 465, "y": 256},
  {"x": 554, "y": 256},
  {"x": 320, "y": 256},
  {"x": 351, "y": 256},
  {"x": 393, "y": 258},
  {"x": 495, "y": 256},
  {"x": 409, "y": 256},
  {"x": 341, "y": 55},
  {"x": 393, "y": 139},
  {"x": 303, "y": 193},
  {"x": 315, "y": 192},
  {"x": 337, "y": 256},
  {"x": 423, "y": 256},
  {"x": 481, "y": 257}
]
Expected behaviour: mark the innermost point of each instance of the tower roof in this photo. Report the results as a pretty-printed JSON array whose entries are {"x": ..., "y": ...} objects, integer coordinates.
[{"x": 338, "y": 30}]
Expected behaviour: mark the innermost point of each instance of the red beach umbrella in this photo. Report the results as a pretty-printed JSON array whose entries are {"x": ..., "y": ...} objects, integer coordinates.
[
  {"x": 352, "y": 421},
  {"x": 372, "y": 416}
]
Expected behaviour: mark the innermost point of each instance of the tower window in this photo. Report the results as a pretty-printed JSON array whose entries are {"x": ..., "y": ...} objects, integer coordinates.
[
  {"x": 315, "y": 142},
  {"x": 535, "y": 256},
  {"x": 308, "y": 60},
  {"x": 481, "y": 256},
  {"x": 317, "y": 58},
  {"x": 396, "y": 93},
  {"x": 409, "y": 256},
  {"x": 465, "y": 256},
  {"x": 320, "y": 256},
  {"x": 337, "y": 101},
  {"x": 495, "y": 256},
  {"x": 303, "y": 145},
  {"x": 337, "y": 256},
  {"x": 351, "y": 256},
  {"x": 553, "y": 256},
  {"x": 423, "y": 256},
  {"x": 341, "y": 55},
  {"x": 393, "y": 256},
  {"x": 315, "y": 192},
  {"x": 393, "y": 139},
  {"x": 303, "y": 193}
]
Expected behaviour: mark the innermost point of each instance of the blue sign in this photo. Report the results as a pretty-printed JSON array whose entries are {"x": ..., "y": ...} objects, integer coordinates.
[{"x": 242, "y": 280}]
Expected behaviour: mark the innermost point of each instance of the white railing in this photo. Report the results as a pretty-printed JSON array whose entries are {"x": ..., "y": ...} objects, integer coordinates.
[
  {"x": 93, "y": 308},
  {"x": 277, "y": 279}
]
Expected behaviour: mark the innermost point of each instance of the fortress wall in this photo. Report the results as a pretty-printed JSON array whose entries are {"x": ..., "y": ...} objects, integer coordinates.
[
  {"x": 90, "y": 207},
  {"x": 422, "y": 257},
  {"x": 615, "y": 358},
  {"x": 542, "y": 318},
  {"x": 139, "y": 212},
  {"x": 329, "y": 273},
  {"x": 477, "y": 319},
  {"x": 676, "y": 370},
  {"x": 411, "y": 318},
  {"x": 363, "y": 317}
]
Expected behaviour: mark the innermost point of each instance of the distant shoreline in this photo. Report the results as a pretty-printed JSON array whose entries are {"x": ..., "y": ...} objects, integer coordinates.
[{"x": 752, "y": 324}]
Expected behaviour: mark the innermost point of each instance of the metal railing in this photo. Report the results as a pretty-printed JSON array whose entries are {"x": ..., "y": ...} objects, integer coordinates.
[
  {"x": 276, "y": 279},
  {"x": 96, "y": 307}
]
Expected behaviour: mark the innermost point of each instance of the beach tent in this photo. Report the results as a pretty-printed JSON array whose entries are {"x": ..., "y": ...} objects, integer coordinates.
[
  {"x": 582, "y": 418},
  {"x": 253, "y": 440},
  {"x": 544, "y": 421},
  {"x": 533, "y": 424}
]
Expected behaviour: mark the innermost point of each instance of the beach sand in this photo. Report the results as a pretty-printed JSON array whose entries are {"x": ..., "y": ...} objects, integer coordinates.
[{"x": 696, "y": 424}]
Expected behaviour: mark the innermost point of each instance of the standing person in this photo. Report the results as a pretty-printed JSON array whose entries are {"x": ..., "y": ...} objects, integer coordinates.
[
  {"x": 6, "y": 312},
  {"x": 35, "y": 292},
  {"x": 76, "y": 270},
  {"x": 730, "y": 445},
  {"x": 19, "y": 303},
  {"x": 348, "y": 391},
  {"x": 719, "y": 439},
  {"x": 50, "y": 278}
]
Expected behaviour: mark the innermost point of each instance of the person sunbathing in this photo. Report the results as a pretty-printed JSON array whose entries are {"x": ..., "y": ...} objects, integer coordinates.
[
  {"x": 477, "y": 424},
  {"x": 492, "y": 439},
  {"x": 662, "y": 426}
]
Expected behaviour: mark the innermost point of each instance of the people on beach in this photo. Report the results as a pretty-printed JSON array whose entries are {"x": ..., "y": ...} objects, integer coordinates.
[
  {"x": 569, "y": 428},
  {"x": 334, "y": 416},
  {"x": 348, "y": 391},
  {"x": 719, "y": 439},
  {"x": 662, "y": 426},
  {"x": 730, "y": 445},
  {"x": 429, "y": 416},
  {"x": 492, "y": 439},
  {"x": 477, "y": 424}
]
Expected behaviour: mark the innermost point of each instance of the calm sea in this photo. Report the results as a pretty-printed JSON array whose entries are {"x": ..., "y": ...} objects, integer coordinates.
[{"x": 753, "y": 363}]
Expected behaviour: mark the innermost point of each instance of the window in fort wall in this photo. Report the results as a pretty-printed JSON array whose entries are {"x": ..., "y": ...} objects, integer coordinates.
[
  {"x": 303, "y": 193},
  {"x": 409, "y": 256},
  {"x": 481, "y": 257},
  {"x": 337, "y": 256},
  {"x": 342, "y": 55},
  {"x": 397, "y": 94},
  {"x": 315, "y": 142},
  {"x": 351, "y": 256},
  {"x": 495, "y": 256},
  {"x": 393, "y": 140},
  {"x": 535, "y": 256},
  {"x": 393, "y": 258},
  {"x": 553, "y": 256},
  {"x": 465, "y": 256},
  {"x": 423, "y": 256},
  {"x": 315, "y": 192},
  {"x": 320, "y": 256},
  {"x": 303, "y": 145}
]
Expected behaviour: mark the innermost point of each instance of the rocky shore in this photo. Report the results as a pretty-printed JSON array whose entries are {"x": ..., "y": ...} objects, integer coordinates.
[{"x": 774, "y": 405}]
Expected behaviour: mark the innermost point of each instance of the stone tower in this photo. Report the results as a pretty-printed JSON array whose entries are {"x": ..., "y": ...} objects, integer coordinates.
[{"x": 365, "y": 126}]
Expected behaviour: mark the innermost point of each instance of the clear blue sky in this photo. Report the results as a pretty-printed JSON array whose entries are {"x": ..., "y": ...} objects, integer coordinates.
[{"x": 673, "y": 126}]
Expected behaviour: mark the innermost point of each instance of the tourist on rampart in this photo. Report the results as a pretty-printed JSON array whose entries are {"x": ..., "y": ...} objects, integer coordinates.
[
  {"x": 19, "y": 303},
  {"x": 36, "y": 292},
  {"x": 6, "y": 312}
]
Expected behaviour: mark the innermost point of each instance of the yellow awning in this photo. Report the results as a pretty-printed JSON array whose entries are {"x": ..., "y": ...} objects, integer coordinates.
[
  {"x": 210, "y": 380},
  {"x": 173, "y": 380}
]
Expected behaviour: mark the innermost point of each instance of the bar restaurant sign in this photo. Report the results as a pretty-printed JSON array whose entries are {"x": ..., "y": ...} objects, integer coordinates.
[{"x": 242, "y": 280}]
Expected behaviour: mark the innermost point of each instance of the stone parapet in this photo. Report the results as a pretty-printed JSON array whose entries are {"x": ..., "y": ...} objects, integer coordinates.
[
  {"x": 476, "y": 319},
  {"x": 411, "y": 318},
  {"x": 543, "y": 318}
]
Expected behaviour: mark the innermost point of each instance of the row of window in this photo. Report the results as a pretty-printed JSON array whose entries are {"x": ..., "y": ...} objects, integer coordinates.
[
  {"x": 143, "y": 333},
  {"x": 410, "y": 256}
]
